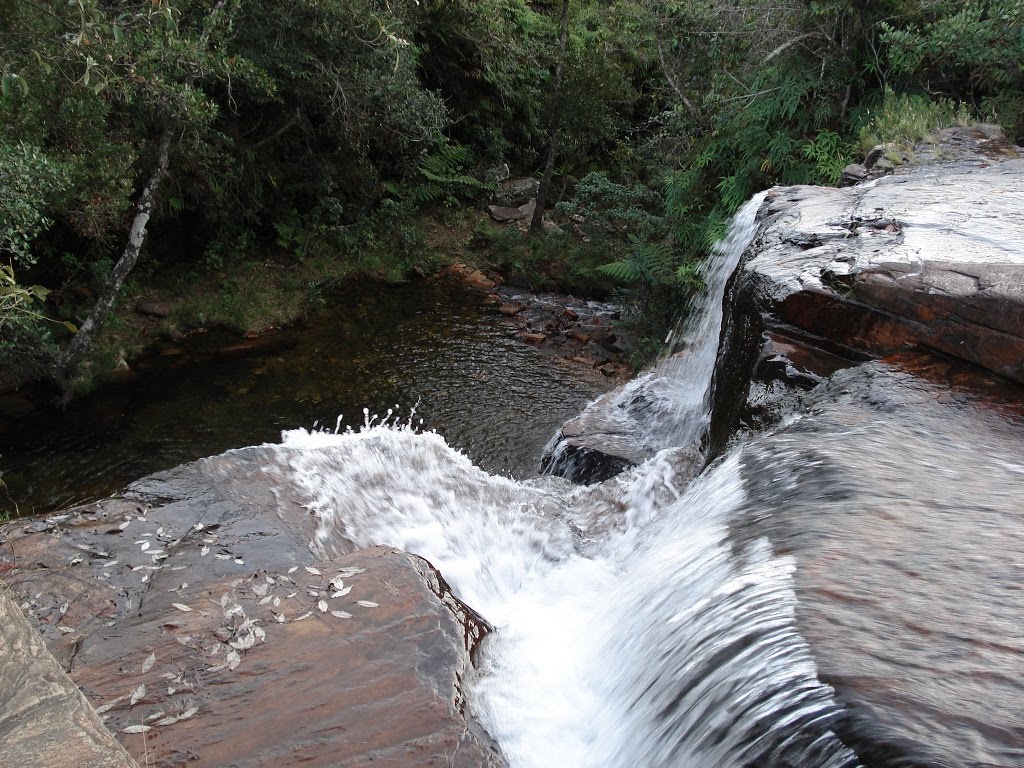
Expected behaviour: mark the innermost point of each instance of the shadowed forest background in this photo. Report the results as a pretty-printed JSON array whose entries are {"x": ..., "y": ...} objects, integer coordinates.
[{"x": 247, "y": 154}]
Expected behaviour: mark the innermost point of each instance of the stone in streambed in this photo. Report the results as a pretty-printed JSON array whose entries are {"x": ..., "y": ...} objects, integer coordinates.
[{"x": 155, "y": 308}]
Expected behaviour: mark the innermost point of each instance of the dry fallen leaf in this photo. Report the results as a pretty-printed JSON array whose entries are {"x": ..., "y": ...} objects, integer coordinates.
[
  {"x": 149, "y": 662},
  {"x": 137, "y": 695},
  {"x": 136, "y": 729},
  {"x": 341, "y": 614},
  {"x": 109, "y": 704},
  {"x": 314, "y": 571},
  {"x": 367, "y": 604},
  {"x": 182, "y": 607},
  {"x": 322, "y": 605}
]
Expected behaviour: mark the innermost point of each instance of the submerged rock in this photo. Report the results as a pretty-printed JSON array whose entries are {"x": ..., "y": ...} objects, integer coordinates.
[{"x": 207, "y": 633}]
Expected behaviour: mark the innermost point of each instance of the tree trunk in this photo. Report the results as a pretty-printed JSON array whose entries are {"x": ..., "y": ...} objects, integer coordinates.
[
  {"x": 537, "y": 222},
  {"x": 70, "y": 360}
]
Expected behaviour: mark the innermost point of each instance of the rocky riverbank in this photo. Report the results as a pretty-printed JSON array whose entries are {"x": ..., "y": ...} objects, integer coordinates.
[
  {"x": 579, "y": 330},
  {"x": 199, "y": 625},
  {"x": 200, "y": 620}
]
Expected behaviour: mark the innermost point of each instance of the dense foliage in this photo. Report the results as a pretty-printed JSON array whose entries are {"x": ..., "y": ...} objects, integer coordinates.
[{"x": 322, "y": 129}]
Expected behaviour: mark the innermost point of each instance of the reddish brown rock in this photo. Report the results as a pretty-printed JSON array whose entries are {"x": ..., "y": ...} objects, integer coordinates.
[
  {"x": 931, "y": 256},
  {"x": 471, "y": 277},
  {"x": 258, "y": 344},
  {"x": 216, "y": 641}
]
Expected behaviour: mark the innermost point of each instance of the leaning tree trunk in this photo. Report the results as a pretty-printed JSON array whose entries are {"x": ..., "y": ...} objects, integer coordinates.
[
  {"x": 70, "y": 360},
  {"x": 556, "y": 139}
]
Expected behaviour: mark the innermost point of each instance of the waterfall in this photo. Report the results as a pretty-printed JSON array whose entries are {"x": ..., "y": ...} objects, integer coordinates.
[
  {"x": 683, "y": 408},
  {"x": 670, "y": 406},
  {"x": 631, "y": 630}
]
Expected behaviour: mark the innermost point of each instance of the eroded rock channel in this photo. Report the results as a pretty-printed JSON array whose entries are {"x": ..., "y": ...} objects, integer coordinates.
[{"x": 802, "y": 551}]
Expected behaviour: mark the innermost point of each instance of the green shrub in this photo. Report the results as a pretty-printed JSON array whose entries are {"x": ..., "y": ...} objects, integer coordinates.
[{"x": 907, "y": 119}]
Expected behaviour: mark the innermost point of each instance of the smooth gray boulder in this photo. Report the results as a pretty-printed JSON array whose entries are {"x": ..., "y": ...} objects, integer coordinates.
[{"x": 45, "y": 721}]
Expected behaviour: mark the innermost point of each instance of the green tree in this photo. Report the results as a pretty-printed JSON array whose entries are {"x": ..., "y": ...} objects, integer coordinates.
[{"x": 970, "y": 50}]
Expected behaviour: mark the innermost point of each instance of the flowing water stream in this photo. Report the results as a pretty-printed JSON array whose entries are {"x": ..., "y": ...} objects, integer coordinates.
[
  {"x": 859, "y": 559},
  {"x": 653, "y": 621},
  {"x": 630, "y": 628}
]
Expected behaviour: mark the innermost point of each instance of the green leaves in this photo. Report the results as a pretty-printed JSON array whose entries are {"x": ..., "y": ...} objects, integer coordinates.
[
  {"x": 10, "y": 82},
  {"x": 647, "y": 262},
  {"x": 964, "y": 50},
  {"x": 30, "y": 185},
  {"x": 19, "y": 304}
]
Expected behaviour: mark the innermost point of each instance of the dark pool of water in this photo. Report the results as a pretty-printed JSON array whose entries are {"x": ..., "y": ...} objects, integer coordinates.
[{"x": 376, "y": 347}]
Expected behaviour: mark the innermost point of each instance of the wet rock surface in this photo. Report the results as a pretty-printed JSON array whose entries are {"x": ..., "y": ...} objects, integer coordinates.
[
  {"x": 44, "y": 719},
  {"x": 194, "y": 617},
  {"x": 902, "y": 517},
  {"x": 578, "y": 330},
  {"x": 614, "y": 433},
  {"x": 928, "y": 256}
]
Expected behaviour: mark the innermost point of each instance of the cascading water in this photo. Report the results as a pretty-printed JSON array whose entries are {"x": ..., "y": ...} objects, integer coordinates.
[
  {"x": 682, "y": 410},
  {"x": 670, "y": 405},
  {"x": 649, "y": 644},
  {"x": 630, "y": 630}
]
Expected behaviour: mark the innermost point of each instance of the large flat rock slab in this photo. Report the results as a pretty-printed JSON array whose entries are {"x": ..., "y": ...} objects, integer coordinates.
[
  {"x": 932, "y": 256},
  {"x": 195, "y": 619}
]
